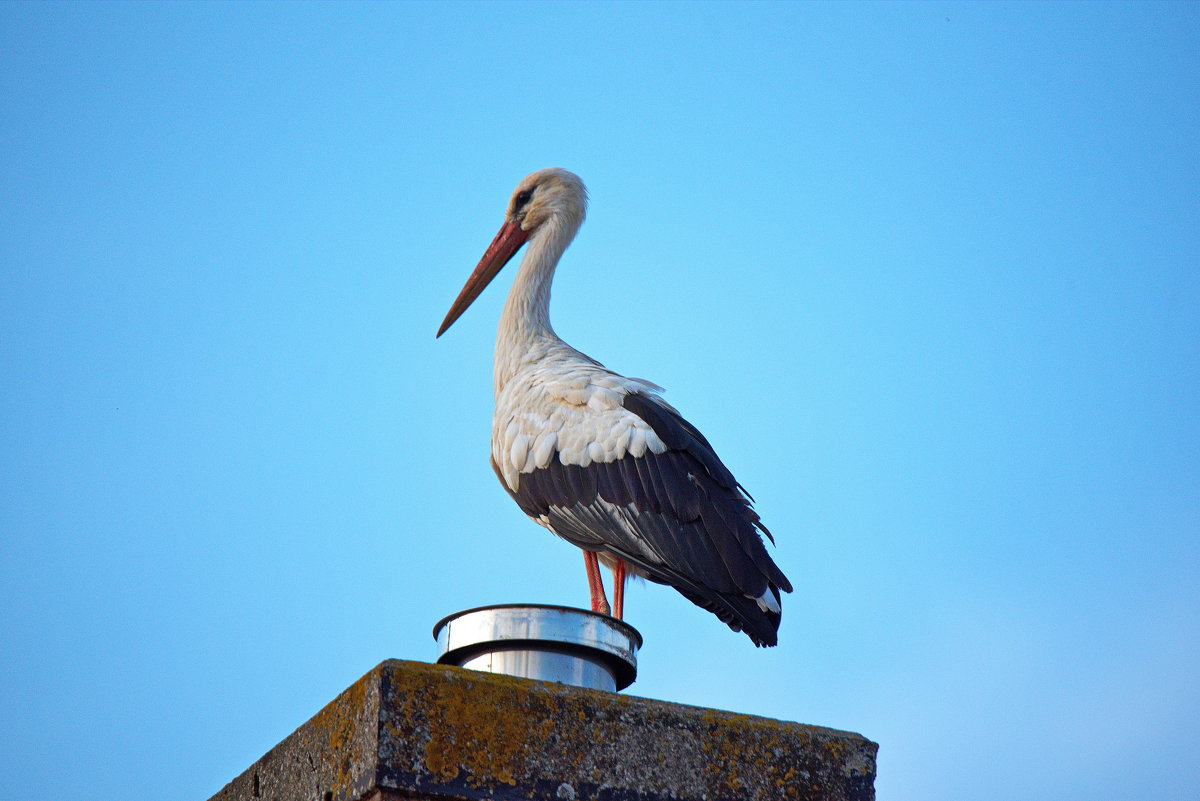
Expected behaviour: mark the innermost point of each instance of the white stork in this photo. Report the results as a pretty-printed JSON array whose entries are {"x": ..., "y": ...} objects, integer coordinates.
[{"x": 601, "y": 460}]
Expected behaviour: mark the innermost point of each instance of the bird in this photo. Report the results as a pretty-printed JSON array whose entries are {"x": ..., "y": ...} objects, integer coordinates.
[{"x": 602, "y": 460}]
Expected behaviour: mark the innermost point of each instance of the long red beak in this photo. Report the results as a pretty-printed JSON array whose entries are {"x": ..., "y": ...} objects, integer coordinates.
[{"x": 507, "y": 242}]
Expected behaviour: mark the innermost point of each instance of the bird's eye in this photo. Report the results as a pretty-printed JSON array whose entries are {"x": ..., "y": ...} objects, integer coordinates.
[{"x": 522, "y": 198}]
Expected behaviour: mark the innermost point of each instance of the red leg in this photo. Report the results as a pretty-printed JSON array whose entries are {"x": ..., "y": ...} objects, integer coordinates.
[
  {"x": 595, "y": 583},
  {"x": 619, "y": 576}
]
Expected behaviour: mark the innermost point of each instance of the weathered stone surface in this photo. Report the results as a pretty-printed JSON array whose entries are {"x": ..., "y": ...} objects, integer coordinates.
[{"x": 411, "y": 730}]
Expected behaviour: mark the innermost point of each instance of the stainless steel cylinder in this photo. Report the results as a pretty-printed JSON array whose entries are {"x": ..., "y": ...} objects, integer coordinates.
[{"x": 550, "y": 643}]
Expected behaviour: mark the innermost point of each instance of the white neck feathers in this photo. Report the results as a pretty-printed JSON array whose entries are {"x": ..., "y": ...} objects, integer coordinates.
[{"x": 525, "y": 335}]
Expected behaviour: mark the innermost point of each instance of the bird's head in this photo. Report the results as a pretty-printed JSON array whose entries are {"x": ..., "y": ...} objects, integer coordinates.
[
  {"x": 549, "y": 202},
  {"x": 552, "y": 195}
]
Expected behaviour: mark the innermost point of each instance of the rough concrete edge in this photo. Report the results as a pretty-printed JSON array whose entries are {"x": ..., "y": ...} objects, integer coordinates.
[
  {"x": 344, "y": 735},
  {"x": 689, "y": 709},
  {"x": 349, "y": 740},
  {"x": 409, "y": 764}
]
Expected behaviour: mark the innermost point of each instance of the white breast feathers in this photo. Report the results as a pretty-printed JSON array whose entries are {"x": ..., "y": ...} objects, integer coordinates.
[{"x": 574, "y": 415}]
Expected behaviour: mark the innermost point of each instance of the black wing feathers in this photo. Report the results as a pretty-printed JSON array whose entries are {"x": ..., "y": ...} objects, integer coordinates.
[
  {"x": 680, "y": 435},
  {"x": 680, "y": 516},
  {"x": 731, "y": 510}
]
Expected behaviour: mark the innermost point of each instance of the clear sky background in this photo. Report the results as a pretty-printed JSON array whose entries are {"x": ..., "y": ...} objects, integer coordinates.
[{"x": 925, "y": 274}]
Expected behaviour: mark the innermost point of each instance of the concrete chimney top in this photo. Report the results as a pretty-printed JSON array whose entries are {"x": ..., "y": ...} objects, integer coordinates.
[{"x": 409, "y": 730}]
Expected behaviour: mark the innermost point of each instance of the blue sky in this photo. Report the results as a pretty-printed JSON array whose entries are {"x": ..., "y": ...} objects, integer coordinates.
[{"x": 925, "y": 275}]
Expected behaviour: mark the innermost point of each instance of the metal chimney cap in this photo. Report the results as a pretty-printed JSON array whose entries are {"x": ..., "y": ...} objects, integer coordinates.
[{"x": 541, "y": 641}]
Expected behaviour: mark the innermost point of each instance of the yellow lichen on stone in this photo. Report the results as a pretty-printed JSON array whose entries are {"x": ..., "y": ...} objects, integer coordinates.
[
  {"x": 490, "y": 732},
  {"x": 422, "y": 729},
  {"x": 337, "y": 723},
  {"x": 734, "y": 742},
  {"x": 835, "y": 748},
  {"x": 481, "y": 732}
]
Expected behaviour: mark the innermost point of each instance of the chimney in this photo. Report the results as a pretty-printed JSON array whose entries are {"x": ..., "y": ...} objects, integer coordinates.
[{"x": 420, "y": 732}]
